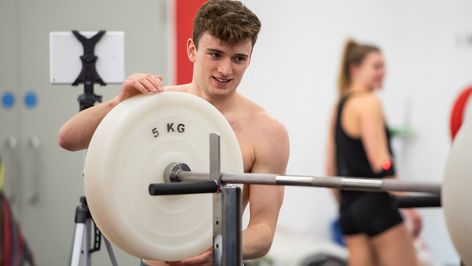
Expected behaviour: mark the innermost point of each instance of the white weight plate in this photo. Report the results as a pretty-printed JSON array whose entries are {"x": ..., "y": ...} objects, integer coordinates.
[
  {"x": 130, "y": 149},
  {"x": 457, "y": 192}
]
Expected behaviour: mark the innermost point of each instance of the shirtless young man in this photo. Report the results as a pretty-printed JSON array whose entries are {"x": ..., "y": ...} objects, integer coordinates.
[{"x": 224, "y": 35}]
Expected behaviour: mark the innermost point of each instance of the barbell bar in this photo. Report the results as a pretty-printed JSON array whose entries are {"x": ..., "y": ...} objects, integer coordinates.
[{"x": 337, "y": 182}]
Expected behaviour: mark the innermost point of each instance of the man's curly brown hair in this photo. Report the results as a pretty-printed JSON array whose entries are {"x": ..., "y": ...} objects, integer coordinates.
[{"x": 228, "y": 20}]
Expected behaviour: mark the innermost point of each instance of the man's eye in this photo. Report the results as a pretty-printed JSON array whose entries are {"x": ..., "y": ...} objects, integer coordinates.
[
  {"x": 215, "y": 55},
  {"x": 240, "y": 59}
]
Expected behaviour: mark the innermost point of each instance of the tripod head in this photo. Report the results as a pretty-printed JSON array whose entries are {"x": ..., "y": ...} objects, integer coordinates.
[{"x": 82, "y": 212}]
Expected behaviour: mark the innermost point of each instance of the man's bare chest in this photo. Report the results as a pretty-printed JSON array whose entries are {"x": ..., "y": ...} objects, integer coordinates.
[{"x": 247, "y": 140}]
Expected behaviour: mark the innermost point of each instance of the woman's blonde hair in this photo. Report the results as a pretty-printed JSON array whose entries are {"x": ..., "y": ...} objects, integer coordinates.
[{"x": 353, "y": 55}]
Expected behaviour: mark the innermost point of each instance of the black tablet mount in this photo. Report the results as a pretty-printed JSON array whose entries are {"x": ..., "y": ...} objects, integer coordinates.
[{"x": 88, "y": 75}]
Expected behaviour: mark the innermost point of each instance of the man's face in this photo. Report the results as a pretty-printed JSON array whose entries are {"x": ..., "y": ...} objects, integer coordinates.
[{"x": 218, "y": 67}]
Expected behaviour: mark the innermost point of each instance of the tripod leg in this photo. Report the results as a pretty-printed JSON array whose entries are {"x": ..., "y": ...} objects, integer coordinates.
[
  {"x": 77, "y": 244},
  {"x": 87, "y": 244},
  {"x": 110, "y": 252},
  {"x": 83, "y": 238}
]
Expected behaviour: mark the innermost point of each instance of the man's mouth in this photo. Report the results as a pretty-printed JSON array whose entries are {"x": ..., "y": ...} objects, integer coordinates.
[{"x": 222, "y": 80}]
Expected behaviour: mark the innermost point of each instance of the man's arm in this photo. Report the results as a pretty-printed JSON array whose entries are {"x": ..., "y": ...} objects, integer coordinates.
[
  {"x": 76, "y": 133},
  {"x": 271, "y": 156}
]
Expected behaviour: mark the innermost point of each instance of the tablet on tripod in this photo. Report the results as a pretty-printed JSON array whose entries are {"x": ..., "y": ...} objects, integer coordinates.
[{"x": 65, "y": 51}]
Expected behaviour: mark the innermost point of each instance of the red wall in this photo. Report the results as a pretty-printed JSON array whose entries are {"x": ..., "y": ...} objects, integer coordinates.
[{"x": 184, "y": 13}]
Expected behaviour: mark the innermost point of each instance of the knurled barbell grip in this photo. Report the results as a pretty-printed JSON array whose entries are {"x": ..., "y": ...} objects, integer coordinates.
[
  {"x": 418, "y": 201},
  {"x": 179, "y": 188}
]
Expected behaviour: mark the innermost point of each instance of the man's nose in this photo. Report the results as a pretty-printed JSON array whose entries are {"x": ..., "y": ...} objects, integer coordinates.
[{"x": 224, "y": 68}]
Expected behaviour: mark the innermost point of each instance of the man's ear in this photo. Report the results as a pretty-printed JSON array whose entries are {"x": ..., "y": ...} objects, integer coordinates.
[{"x": 191, "y": 50}]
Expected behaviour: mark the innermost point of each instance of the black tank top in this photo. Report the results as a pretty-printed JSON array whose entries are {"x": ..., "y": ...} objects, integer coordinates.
[{"x": 351, "y": 157}]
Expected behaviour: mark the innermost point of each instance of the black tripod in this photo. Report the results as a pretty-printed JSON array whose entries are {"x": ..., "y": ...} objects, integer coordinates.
[{"x": 83, "y": 219}]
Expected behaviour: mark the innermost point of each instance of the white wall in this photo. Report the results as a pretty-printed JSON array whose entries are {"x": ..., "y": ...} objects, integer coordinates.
[{"x": 293, "y": 75}]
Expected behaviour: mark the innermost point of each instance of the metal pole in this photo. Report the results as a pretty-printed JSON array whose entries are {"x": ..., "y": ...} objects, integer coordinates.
[
  {"x": 347, "y": 183},
  {"x": 232, "y": 247},
  {"x": 215, "y": 175},
  {"x": 77, "y": 244}
]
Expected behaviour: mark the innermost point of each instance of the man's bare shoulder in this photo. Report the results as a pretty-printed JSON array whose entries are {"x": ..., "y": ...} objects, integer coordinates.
[
  {"x": 269, "y": 124},
  {"x": 270, "y": 138},
  {"x": 266, "y": 124}
]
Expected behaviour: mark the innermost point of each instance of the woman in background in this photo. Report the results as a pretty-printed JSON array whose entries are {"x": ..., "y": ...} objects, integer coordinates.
[{"x": 359, "y": 146}]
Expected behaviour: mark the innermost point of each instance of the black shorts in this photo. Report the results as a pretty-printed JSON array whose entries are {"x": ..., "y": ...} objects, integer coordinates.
[{"x": 369, "y": 213}]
